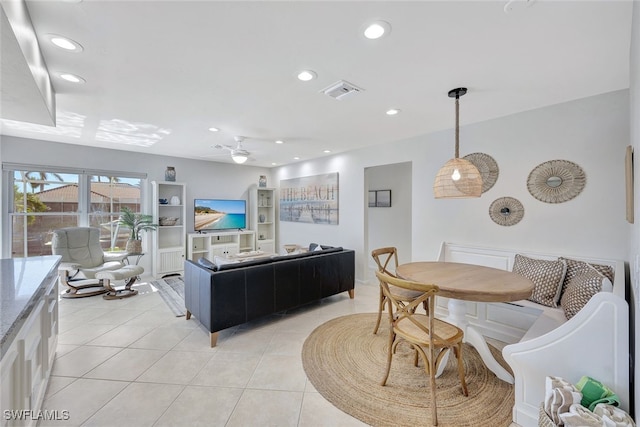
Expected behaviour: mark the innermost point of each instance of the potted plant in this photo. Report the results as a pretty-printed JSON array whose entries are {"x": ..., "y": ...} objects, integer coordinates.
[{"x": 137, "y": 223}]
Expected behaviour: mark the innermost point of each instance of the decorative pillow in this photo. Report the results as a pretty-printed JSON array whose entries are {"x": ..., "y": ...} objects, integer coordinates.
[
  {"x": 219, "y": 261},
  {"x": 317, "y": 247},
  {"x": 207, "y": 264},
  {"x": 575, "y": 267},
  {"x": 547, "y": 277},
  {"x": 581, "y": 288}
]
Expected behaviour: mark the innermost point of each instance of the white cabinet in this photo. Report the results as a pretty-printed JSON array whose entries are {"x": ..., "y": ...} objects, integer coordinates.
[
  {"x": 223, "y": 244},
  {"x": 169, "y": 202},
  {"x": 11, "y": 383},
  {"x": 26, "y": 365},
  {"x": 224, "y": 250},
  {"x": 263, "y": 217}
]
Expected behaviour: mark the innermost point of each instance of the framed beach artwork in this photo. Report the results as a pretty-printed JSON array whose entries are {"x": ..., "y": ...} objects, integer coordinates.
[
  {"x": 383, "y": 198},
  {"x": 372, "y": 199},
  {"x": 310, "y": 199},
  {"x": 380, "y": 198}
]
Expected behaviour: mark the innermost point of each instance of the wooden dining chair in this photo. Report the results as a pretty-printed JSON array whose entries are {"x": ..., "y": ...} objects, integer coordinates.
[
  {"x": 431, "y": 338},
  {"x": 387, "y": 261}
]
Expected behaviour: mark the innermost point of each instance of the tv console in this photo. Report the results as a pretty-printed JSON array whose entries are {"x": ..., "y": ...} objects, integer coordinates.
[
  {"x": 216, "y": 232},
  {"x": 223, "y": 244}
]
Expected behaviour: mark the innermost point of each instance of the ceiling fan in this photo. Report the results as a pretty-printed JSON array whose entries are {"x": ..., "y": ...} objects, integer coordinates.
[{"x": 238, "y": 154}]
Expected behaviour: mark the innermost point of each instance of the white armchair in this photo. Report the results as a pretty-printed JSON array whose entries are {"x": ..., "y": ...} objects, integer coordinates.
[{"x": 82, "y": 259}]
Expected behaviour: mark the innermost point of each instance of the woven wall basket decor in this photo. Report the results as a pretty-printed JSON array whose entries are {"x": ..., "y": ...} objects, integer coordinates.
[
  {"x": 506, "y": 211},
  {"x": 488, "y": 168},
  {"x": 556, "y": 181}
]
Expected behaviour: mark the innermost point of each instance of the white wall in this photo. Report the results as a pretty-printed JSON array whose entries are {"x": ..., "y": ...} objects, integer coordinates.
[
  {"x": 390, "y": 226},
  {"x": 634, "y": 230},
  {"x": 203, "y": 178},
  {"x": 592, "y": 132}
]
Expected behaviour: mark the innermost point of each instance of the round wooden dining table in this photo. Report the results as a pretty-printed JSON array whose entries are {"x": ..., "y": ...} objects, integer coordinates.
[{"x": 467, "y": 282}]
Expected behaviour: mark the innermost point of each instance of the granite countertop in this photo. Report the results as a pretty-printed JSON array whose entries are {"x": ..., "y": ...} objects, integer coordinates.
[{"x": 22, "y": 283}]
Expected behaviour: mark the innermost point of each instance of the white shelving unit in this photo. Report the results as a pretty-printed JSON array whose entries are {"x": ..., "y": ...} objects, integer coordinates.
[
  {"x": 169, "y": 241},
  {"x": 222, "y": 244},
  {"x": 263, "y": 217}
]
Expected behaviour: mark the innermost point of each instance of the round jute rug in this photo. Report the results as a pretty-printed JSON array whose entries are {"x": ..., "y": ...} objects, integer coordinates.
[{"x": 345, "y": 362}]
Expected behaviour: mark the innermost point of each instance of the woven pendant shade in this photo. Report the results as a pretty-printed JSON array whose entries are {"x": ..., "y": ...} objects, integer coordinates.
[
  {"x": 468, "y": 184},
  {"x": 458, "y": 178}
]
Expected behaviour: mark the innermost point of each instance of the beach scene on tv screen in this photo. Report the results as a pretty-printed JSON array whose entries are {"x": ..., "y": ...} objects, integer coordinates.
[{"x": 219, "y": 214}]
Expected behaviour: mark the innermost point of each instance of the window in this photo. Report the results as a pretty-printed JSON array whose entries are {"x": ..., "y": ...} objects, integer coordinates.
[
  {"x": 109, "y": 194},
  {"x": 44, "y": 200}
]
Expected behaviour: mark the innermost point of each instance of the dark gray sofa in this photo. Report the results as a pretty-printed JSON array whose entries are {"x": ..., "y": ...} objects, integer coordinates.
[{"x": 241, "y": 292}]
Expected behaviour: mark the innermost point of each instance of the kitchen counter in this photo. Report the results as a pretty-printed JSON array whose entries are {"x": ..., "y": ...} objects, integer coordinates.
[{"x": 23, "y": 282}]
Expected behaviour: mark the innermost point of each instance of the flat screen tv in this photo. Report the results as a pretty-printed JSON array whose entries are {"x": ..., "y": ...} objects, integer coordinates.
[{"x": 218, "y": 214}]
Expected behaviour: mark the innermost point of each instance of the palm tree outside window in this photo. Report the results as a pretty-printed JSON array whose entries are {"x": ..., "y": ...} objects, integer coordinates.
[{"x": 43, "y": 201}]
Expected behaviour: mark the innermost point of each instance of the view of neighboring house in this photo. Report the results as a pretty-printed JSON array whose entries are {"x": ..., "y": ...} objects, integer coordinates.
[{"x": 61, "y": 204}]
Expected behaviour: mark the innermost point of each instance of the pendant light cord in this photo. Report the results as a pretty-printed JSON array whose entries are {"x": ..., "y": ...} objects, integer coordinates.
[{"x": 457, "y": 152}]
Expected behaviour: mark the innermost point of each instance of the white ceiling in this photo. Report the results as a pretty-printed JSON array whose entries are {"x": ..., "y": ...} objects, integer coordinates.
[{"x": 162, "y": 72}]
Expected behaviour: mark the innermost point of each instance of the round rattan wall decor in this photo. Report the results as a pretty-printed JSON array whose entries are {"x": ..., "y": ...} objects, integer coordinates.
[
  {"x": 556, "y": 181},
  {"x": 506, "y": 211},
  {"x": 488, "y": 168}
]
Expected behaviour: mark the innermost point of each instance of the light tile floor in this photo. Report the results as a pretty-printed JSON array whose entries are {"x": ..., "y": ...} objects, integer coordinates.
[{"x": 130, "y": 362}]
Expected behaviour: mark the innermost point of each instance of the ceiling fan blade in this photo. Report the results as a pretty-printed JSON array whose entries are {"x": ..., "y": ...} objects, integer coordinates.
[{"x": 240, "y": 151}]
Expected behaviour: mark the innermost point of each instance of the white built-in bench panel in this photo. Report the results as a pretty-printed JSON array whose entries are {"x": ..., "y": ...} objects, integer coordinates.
[{"x": 595, "y": 342}]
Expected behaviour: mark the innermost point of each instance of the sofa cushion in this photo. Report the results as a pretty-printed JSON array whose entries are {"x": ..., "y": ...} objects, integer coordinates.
[
  {"x": 546, "y": 275},
  {"x": 575, "y": 267},
  {"x": 581, "y": 288}
]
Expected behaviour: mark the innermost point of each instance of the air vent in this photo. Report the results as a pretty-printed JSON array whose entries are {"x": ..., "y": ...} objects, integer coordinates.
[{"x": 341, "y": 89}]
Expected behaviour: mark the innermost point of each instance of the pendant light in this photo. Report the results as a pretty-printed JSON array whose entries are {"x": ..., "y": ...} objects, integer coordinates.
[{"x": 458, "y": 178}]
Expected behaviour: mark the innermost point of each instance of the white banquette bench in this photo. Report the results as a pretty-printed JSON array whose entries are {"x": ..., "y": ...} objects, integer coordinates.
[{"x": 542, "y": 342}]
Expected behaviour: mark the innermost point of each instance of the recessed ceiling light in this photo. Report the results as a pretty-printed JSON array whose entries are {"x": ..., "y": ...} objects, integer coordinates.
[
  {"x": 72, "y": 78},
  {"x": 212, "y": 129},
  {"x": 279, "y": 141},
  {"x": 392, "y": 112},
  {"x": 296, "y": 158},
  {"x": 65, "y": 43},
  {"x": 377, "y": 29},
  {"x": 307, "y": 75},
  {"x": 327, "y": 151},
  {"x": 273, "y": 164}
]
